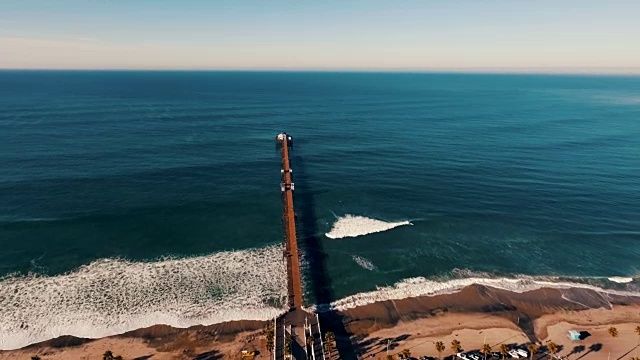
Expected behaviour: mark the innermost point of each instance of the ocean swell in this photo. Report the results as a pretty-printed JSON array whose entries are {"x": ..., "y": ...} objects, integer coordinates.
[
  {"x": 354, "y": 226},
  {"x": 112, "y": 296}
]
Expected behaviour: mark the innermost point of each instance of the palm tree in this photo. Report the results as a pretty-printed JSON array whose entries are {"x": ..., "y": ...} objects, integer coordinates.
[
  {"x": 406, "y": 353},
  {"x": 270, "y": 337},
  {"x": 504, "y": 350},
  {"x": 533, "y": 348},
  {"x": 329, "y": 338},
  {"x": 553, "y": 348},
  {"x": 310, "y": 342},
  {"x": 440, "y": 348},
  {"x": 108, "y": 355},
  {"x": 486, "y": 350},
  {"x": 613, "y": 332},
  {"x": 456, "y": 347},
  {"x": 270, "y": 332}
]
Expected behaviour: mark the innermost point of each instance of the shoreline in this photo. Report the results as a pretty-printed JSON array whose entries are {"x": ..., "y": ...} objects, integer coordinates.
[
  {"x": 521, "y": 308},
  {"x": 530, "y": 316}
]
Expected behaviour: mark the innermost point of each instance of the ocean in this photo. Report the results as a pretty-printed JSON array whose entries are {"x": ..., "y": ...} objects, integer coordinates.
[{"x": 131, "y": 198}]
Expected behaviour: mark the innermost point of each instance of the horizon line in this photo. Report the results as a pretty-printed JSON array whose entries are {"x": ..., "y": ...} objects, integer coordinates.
[{"x": 488, "y": 71}]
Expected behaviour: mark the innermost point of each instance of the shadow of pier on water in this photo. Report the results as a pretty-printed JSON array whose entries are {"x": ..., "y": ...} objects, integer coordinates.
[{"x": 311, "y": 242}]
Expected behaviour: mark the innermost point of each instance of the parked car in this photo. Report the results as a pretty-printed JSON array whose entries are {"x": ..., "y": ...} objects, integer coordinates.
[
  {"x": 475, "y": 356},
  {"x": 514, "y": 354},
  {"x": 462, "y": 356},
  {"x": 246, "y": 354},
  {"x": 522, "y": 353}
]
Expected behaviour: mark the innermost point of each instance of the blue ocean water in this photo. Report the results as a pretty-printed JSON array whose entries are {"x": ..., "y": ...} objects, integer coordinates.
[{"x": 499, "y": 174}]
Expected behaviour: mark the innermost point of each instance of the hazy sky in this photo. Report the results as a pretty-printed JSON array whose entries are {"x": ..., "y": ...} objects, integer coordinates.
[{"x": 540, "y": 35}]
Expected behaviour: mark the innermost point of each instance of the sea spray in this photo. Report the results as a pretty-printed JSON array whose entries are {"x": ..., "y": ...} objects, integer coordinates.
[
  {"x": 112, "y": 296},
  {"x": 353, "y": 226},
  {"x": 364, "y": 263}
]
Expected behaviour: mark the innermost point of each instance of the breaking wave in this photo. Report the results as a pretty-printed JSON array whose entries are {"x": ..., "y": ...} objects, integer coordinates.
[
  {"x": 353, "y": 226},
  {"x": 112, "y": 296},
  {"x": 420, "y": 286},
  {"x": 364, "y": 263}
]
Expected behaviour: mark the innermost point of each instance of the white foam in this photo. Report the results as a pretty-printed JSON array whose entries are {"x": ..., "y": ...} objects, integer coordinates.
[
  {"x": 353, "y": 226},
  {"x": 420, "y": 286},
  {"x": 620, "y": 280},
  {"x": 364, "y": 263},
  {"x": 112, "y": 296}
]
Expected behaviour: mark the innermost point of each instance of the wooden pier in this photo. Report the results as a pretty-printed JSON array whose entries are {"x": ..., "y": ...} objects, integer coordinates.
[{"x": 289, "y": 218}]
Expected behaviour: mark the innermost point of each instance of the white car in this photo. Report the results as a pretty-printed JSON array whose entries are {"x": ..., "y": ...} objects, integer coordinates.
[
  {"x": 522, "y": 353},
  {"x": 462, "y": 356},
  {"x": 514, "y": 354},
  {"x": 474, "y": 356}
]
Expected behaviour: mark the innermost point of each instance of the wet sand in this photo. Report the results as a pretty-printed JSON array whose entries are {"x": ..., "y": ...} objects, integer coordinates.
[{"x": 474, "y": 315}]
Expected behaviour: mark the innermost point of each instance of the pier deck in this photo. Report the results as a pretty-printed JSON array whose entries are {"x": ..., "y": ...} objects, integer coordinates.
[{"x": 291, "y": 251}]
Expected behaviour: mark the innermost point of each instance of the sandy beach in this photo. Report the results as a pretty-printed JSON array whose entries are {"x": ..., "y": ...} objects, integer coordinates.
[
  {"x": 473, "y": 330},
  {"x": 219, "y": 341},
  {"x": 474, "y": 316}
]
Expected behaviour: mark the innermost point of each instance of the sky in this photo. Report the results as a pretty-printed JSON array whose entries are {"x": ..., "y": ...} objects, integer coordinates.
[{"x": 369, "y": 35}]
